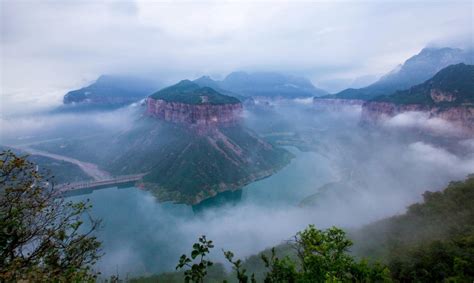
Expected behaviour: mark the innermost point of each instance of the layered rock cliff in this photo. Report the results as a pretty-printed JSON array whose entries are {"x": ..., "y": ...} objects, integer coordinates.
[
  {"x": 189, "y": 104},
  {"x": 192, "y": 114},
  {"x": 449, "y": 95},
  {"x": 460, "y": 117}
]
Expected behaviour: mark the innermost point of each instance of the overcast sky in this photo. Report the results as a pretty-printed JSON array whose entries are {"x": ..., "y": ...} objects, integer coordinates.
[{"x": 48, "y": 47}]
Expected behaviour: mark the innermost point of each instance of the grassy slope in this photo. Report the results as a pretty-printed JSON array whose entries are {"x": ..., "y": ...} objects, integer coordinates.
[
  {"x": 190, "y": 93},
  {"x": 180, "y": 161}
]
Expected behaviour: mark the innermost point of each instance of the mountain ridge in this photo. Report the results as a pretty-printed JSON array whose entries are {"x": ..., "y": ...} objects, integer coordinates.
[
  {"x": 449, "y": 95},
  {"x": 413, "y": 71},
  {"x": 267, "y": 84},
  {"x": 109, "y": 91}
]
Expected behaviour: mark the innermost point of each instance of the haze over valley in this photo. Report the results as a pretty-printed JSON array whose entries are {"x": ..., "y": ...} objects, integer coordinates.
[{"x": 277, "y": 118}]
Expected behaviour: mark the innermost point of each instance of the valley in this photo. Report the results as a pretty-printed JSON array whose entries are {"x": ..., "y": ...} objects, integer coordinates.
[{"x": 249, "y": 159}]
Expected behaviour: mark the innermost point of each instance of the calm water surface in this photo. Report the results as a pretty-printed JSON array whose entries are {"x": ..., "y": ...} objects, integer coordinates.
[{"x": 142, "y": 236}]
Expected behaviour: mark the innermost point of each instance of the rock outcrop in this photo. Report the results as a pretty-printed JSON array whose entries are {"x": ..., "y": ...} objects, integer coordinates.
[
  {"x": 191, "y": 114},
  {"x": 461, "y": 117},
  {"x": 449, "y": 95},
  {"x": 189, "y": 104},
  {"x": 199, "y": 151}
]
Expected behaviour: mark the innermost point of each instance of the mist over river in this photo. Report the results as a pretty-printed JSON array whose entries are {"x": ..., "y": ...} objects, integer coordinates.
[
  {"x": 343, "y": 174},
  {"x": 141, "y": 235}
]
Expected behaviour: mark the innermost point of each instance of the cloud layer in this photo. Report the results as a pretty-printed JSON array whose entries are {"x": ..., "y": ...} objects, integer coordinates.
[{"x": 65, "y": 44}]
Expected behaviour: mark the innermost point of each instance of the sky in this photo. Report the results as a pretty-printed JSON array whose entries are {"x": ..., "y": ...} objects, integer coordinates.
[{"x": 50, "y": 47}]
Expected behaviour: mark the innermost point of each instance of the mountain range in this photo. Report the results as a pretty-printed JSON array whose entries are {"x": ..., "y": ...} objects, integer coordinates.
[
  {"x": 452, "y": 86},
  {"x": 415, "y": 70},
  {"x": 263, "y": 84},
  {"x": 109, "y": 91},
  {"x": 113, "y": 91}
]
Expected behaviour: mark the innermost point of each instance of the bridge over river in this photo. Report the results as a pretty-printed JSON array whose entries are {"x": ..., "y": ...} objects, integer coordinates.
[
  {"x": 100, "y": 177},
  {"x": 99, "y": 183}
]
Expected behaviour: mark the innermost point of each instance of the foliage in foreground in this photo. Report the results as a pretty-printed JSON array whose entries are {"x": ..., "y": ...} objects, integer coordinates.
[
  {"x": 432, "y": 242},
  {"x": 42, "y": 237},
  {"x": 322, "y": 256}
]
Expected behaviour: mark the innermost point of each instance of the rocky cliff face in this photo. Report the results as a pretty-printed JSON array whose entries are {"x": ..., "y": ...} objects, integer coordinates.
[
  {"x": 461, "y": 117},
  {"x": 449, "y": 95},
  {"x": 440, "y": 96},
  {"x": 194, "y": 114}
]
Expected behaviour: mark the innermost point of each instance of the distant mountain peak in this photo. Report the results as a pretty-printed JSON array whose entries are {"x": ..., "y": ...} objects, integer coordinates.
[
  {"x": 270, "y": 84},
  {"x": 413, "y": 71},
  {"x": 206, "y": 81},
  {"x": 452, "y": 86},
  {"x": 186, "y": 83},
  {"x": 427, "y": 51},
  {"x": 109, "y": 91}
]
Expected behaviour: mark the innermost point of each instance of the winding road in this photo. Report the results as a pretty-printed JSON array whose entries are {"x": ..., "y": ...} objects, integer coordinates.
[{"x": 90, "y": 169}]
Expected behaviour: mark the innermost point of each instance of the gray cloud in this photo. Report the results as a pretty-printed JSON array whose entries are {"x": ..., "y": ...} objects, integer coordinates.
[
  {"x": 61, "y": 44},
  {"x": 423, "y": 121}
]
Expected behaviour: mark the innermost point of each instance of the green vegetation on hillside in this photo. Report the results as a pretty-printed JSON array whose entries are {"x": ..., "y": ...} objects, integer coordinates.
[
  {"x": 186, "y": 167},
  {"x": 456, "y": 80},
  {"x": 433, "y": 241},
  {"x": 191, "y": 93}
]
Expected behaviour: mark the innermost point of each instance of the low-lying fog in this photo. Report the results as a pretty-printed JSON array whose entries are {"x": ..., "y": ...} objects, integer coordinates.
[{"x": 371, "y": 174}]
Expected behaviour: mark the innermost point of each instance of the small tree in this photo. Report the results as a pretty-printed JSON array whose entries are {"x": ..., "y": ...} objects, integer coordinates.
[
  {"x": 42, "y": 237},
  {"x": 324, "y": 254},
  {"x": 280, "y": 270},
  {"x": 237, "y": 267},
  {"x": 197, "y": 271},
  {"x": 322, "y": 257}
]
